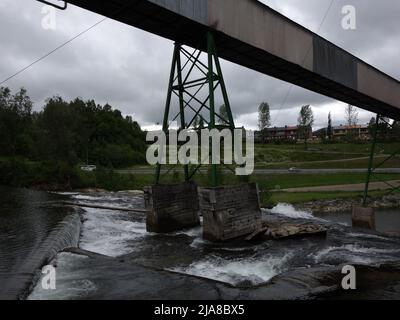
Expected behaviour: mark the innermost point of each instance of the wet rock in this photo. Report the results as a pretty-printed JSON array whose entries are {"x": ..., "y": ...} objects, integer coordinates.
[
  {"x": 112, "y": 279},
  {"x": 345, "y": 205},
  {"x": 93, "y": 190},
  {"x": 282, "y": 231},
  {"x": 287, "y": 231},
  {"x": 132, "y": 192}
]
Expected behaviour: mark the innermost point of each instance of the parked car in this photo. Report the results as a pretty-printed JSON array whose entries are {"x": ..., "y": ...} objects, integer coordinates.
[{"x": 88, "y": 168}]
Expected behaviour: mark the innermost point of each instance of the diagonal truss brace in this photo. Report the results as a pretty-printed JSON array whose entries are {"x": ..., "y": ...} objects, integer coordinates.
[
  {"x": 372, "y": 168},
  {"x": 182, "y": 80}
]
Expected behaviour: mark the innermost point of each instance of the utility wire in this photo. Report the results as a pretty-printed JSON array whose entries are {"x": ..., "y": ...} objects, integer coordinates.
[
  {"x": 67, "y": 42},
  {"x": 53, "y": 51},
  {"x": 104, "y": 19},
  {"x": 305, "y": 58}
]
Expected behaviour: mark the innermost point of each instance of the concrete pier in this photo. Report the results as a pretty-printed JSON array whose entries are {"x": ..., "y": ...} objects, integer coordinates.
[
  {"x": 363, "y": 218},
  {"x": 230, "y": 212},
  {"x": 171, "y": 207}
]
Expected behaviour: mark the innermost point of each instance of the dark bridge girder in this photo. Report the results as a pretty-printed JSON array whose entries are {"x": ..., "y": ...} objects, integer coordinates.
[{"x": 253, "y": 35}]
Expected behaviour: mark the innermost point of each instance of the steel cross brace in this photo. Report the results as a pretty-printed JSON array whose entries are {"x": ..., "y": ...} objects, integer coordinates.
[
  {"x": 371, "y": 167},
  {"x": 192, "y": 103}
]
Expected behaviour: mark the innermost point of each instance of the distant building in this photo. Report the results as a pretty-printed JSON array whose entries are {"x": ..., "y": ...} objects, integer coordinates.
[
  {"x": 287, "y": 133},
  {"x": 341, "y": 132},
  {"x": 361, "y": 132}
]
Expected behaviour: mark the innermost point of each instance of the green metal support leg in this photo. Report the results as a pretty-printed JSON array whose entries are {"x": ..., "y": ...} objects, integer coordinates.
[
  {"x": 371, "y": 161},
  {"x": 181, "y": 104},
  {"x": 168, "y": 104},
  {"x": 181, "y": 84},
  {"x": 210, "y": 76},
  {"x": 380, "y": 124}
]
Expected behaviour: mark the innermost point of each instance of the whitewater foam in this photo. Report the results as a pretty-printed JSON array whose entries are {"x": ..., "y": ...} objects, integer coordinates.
[
  {"x": 109, "y": 232},
  {"x": 193, "y": 233},
  {"x": 95, "y": 198},
  {"x": 367, "y": 236},
  {"x": 253, "y": 270},
  {"x": 355, "y": 253},
  {"x": 69, "y": 285},
  {"x": 289, "y": 211}
]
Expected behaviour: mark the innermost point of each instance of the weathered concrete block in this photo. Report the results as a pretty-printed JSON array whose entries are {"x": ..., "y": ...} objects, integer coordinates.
[
  {"x": 363, "y": 218},
  {"x": 230, "y": 212},
  {"x": 171, "y": 207}
]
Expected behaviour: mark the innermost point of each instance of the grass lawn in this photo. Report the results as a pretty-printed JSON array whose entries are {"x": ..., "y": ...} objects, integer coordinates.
[
  {"x": 327, "y": 157},
  {"x": 273, "y": 181},
  {"x": 267, "y": 183},
  {"x": 342, "y": 164},
  {"x": 344, "y": 148},
  {"x": 296, "y": 198},
  {"x": 285, "y": 181}
]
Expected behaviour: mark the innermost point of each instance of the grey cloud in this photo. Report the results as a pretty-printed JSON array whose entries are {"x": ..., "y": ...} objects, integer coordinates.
[{"x": 129, "y": 68}]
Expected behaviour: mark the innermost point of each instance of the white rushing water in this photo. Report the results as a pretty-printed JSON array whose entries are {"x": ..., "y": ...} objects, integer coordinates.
[
  {"x": 70, "y": 284},
  {"x": 289, "y": 211},
  {"x": 236, "y": 271},
  {"x": 355, "y": 253},
  {"x": 109, "y": 232}
]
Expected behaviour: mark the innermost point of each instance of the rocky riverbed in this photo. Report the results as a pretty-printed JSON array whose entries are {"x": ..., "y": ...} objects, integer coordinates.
[{"x": 346, "y": 205}]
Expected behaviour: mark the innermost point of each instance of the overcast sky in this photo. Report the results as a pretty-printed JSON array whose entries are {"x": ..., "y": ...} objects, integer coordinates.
[{"x": 129, "y": 68}]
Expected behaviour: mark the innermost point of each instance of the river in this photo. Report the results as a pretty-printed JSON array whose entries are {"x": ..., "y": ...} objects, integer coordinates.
[
  {"x": 118, "y": 259},
  {"x": 33, "y": 228}
]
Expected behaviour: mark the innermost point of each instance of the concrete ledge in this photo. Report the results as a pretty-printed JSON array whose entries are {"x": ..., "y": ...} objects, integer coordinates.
[
  {"x": 363, "y": 218},
  {"x": 230, "y": 212},
  {"x": 171, "y": 207}
]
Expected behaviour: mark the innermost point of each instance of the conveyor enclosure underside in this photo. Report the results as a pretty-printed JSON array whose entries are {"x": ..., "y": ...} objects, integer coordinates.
[{"x": 253, "y": 35}]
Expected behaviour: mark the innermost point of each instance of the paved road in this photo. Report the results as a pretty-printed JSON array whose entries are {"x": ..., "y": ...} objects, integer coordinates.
[
  {"x": 374, "y": 186},
  {"x": 302, "y": 163},
  {"x": 273, "y": 171}
]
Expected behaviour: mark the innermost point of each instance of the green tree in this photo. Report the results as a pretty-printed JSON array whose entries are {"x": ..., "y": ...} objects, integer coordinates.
[
  {"x": 62, "y": 135},
  {"x": 329, "y": 130},
  {"x": 224, "y": 117},
  {"x": 396, "y": 129},
  {"x": 351, "y": 115},
  {"x": 264, "y": 119},
  {"x": 371, "y": 126},
  {"x": 196, "y": 122},
  {"x": 201, "y": 123},
  {"x": 305, "y": 123},
  {"x": 385, "y": 130},
  {"x": 15, "y": 122},
  {"x": 264, "y": 116}
]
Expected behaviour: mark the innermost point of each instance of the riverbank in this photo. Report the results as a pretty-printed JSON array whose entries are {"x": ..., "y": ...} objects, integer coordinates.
[
  {"x": 340, "y": 205},
  {"x": 315, "y": 203},
  {"x": 380, "y": 201}
]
